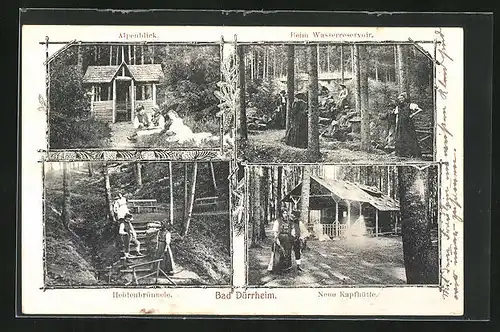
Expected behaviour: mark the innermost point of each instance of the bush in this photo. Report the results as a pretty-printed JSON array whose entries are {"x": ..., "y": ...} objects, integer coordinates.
[{"x": 262, "y": 96}]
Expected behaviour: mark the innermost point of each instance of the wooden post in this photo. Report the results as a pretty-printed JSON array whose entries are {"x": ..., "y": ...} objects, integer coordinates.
[
  {"x": 213, "y": 176},
  {"x": 114, "y": 101},
  {"x": 92, "y": 101},
  {"x": 191, "y": 201},
  {"x": 348, "y": 214},
  {"x": 376, "y": 222},
  {"x": 129, "y": 55},
  {"x": 337, "y": 230},
  {"x": 132, "y": 99},
  {"x": 342, "y": 63},
  {"x": 290, "y": 82},
  {"x": 242, "y": 114},
  {"x": 170, "y": 180},
  {"x": 154, "y": 94}
]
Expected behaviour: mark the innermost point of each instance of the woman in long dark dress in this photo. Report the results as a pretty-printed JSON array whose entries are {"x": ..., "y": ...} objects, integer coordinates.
[
  {"x": 406, "y": 140},
  {"x": 164, "y": 249},
  {"x": 297, "y": 134}
]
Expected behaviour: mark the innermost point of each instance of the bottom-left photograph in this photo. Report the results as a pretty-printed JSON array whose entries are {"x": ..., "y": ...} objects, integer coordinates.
[{"x": 136, "y": 224}]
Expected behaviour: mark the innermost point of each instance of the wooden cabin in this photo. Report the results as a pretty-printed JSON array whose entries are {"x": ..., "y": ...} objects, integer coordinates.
[
  {"x": 338, "y": 204},
  {"x": 118, "y": 90},
  {"x": 329, "y": 80}
]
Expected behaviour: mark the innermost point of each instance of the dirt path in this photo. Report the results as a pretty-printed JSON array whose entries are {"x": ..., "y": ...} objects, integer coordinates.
[
  {"x": 268, "y": 146},
  {"x": 363, "y": 260},
  {"x": 119, "y": 133}
]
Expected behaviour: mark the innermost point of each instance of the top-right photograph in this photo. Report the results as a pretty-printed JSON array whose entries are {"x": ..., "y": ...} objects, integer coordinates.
[{"x": 339, "y": 102}]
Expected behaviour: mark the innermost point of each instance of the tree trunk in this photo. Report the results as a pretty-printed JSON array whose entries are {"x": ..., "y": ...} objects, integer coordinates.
[
  {"x": 421, "y": 263},
  {"x": 80, "y": 57},
  {"x": 138, "y": 174},
  {"x": 279, "y": 185},
  {"x": 313, "y": 132},
  {"x": 342, "y": 63},
  {"x": 376, "y": 72},
  {"x": 402, "y": 69},
  {"x": 191, "y": 200},
  {"x": 252, "y": 63},
  {"x": 328, "y": 58},
  {"x": 290, "y": 82},
  {"x": 110, "y": 55},
  {"x": 90, "y": 169},
  {"x": 171, "y": 191},
  {"x": 365, "y": 111},
  {"x": 109, "y": 199},
  {"x": 129, "y": 55},
  {"x": 265, "y": 197},
  {"x": 66, "y": 211},
  {"x": 241, "y": 96},
  {"x": 257, "y": 205},
  {"x": 186, "y": 194},
  {"x": 304, "y": 195}
]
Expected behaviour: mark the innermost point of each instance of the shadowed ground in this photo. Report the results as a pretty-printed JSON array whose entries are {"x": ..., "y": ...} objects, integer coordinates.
[
  {"x": 356, "y": 261},
  {"x": 268, "y": 146}
]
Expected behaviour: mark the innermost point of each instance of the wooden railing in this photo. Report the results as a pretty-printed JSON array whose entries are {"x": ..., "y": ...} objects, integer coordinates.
[
  {"x": 332, "y": 230},
  {"x": 156, "y": 271}
]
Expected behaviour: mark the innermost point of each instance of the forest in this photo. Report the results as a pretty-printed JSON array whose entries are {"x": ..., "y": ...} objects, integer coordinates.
[
  {"x": 374, "y": 75},
  {"x": 383, "y": 219},
  {"x": 187, "y": 85},
  {"x": 82, "y": 244}
]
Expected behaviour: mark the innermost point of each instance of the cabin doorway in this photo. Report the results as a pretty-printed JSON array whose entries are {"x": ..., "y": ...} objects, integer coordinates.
[{"x": 123, "y": 101}]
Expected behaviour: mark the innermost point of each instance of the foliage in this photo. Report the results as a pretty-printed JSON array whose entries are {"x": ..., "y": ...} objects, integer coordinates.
[
  {"x": 191, "y": 75},
  {"x": 69, "y": 114},
  {"x": 262, "y": 96}
]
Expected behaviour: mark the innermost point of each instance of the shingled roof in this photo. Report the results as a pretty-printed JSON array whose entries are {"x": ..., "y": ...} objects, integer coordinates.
[
  {"x": 339, "y": 190},
  {"x": 140, "y": 73}
]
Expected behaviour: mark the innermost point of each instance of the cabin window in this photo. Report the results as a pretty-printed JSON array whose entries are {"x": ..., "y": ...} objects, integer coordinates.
[
  {"x": 102, "y": 92},
  {"x": 143, "y": 91}
]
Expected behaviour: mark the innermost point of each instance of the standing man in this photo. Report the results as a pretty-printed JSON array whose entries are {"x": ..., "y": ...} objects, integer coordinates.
[
  {"x": 128, "y": 234},
  {"x": 296, "y": 238}
]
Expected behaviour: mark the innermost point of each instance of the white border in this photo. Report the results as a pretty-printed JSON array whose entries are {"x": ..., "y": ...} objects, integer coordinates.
[{"x": 183, "y": 301}]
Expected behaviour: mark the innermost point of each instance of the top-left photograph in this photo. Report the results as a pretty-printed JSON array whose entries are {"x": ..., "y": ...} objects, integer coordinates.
[{"x": 134, "y": 95}]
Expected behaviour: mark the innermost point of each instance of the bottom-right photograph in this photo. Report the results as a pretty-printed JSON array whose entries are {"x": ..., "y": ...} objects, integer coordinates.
[{"x": 341, "y": 225}]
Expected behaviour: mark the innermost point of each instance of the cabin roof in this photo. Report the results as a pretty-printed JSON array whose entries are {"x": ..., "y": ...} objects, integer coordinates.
[
  {"x": 339, "y": 190},
  {"x": 326, "y": 76},
  {"x": 140, "y": 73}
]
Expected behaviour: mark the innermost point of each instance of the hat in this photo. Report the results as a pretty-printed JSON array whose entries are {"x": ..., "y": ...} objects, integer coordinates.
[
  {"x": 156, "y": 107},
  {"x": 342, "y": 85},
  {"x": 129, "y": 216},
  {"x": 403, "y": 94}
]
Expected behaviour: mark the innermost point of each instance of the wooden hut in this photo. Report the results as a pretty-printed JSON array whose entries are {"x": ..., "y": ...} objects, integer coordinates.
[
  {"x": 118, "y": 90},
  {"x": 339, "y": 204}
]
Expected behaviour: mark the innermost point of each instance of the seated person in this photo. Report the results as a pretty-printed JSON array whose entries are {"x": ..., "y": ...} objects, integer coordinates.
[
  {"x": 179, "y": 132},
  {"x": 148, "y": 123}
]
